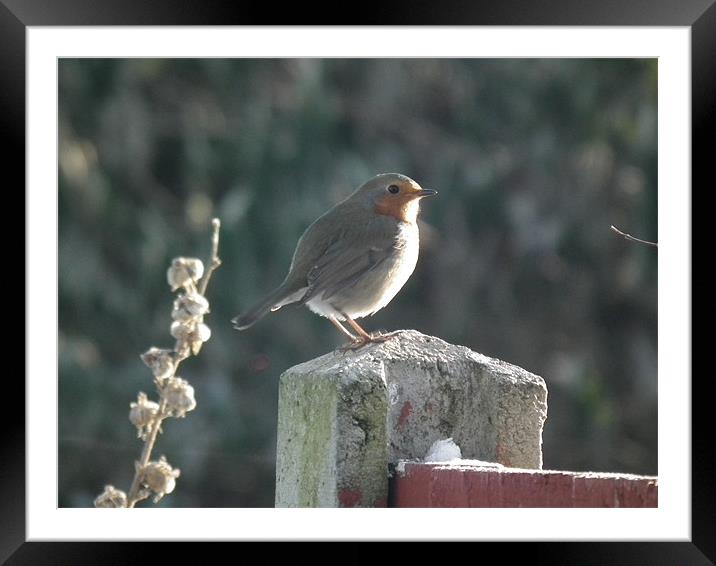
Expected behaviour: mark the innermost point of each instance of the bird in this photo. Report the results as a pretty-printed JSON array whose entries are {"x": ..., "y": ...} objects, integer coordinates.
[{"x": 351, "y": 261}]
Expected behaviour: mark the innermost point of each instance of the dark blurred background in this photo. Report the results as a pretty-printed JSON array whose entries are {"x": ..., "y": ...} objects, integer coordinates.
[{"x": 534, "y": 159}]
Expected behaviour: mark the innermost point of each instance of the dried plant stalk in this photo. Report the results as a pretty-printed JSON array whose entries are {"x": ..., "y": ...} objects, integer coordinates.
[{"x": 176, "y": 396}]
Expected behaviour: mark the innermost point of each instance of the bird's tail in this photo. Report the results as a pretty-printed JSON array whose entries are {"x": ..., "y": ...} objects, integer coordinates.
[{"x": 274, "y": 301}]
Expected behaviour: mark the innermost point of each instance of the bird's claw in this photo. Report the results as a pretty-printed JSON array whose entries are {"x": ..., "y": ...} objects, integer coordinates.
[
  {"x": 375, "y": 337},
  {"x": 354, "y": 345},
  {"x": 378, "y": 336}
]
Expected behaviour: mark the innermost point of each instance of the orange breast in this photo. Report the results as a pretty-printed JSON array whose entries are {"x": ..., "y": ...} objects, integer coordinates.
[{"x": 404, "y": 208}]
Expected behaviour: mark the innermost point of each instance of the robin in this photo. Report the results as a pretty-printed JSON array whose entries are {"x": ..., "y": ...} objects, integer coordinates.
[{"x": 353, "y": 259}]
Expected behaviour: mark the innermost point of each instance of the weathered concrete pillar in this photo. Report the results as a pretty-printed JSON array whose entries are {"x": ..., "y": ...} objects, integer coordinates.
[
  {"x": 332, "y": 449},
  {"x": 345, "y": 416}
]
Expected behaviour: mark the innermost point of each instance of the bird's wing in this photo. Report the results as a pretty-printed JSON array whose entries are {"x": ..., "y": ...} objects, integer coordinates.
[{"x": 342, "y": 266}]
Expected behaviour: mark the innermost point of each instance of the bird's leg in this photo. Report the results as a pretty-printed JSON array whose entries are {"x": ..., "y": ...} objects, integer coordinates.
[
  {"x": 365, "y": 337},
  {"x": 343, "y": 330},
  {"x": 355, "y": 341}
]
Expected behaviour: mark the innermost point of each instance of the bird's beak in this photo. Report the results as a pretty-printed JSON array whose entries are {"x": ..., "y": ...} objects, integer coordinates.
[{"x": 426, "y": 193}]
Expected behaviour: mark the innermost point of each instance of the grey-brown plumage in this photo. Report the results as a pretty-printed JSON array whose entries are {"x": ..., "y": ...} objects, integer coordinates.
[{"x": 354, "y": 258}]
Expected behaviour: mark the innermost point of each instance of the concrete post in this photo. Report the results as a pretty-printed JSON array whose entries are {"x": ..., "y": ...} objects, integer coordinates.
[
  {"x": 345, "y": 416},
  {"x": 332, "y": 449}
]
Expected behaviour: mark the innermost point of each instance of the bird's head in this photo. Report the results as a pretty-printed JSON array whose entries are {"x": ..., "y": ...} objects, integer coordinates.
[{"x": 393, "y": 194}]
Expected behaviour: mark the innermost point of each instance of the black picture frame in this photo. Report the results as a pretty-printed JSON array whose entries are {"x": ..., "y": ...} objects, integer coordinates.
[{"x": 699, "y": 15}]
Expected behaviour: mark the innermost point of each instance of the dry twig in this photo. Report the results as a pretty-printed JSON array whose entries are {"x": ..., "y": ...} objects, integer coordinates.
[{"x": 632, "y": 238}]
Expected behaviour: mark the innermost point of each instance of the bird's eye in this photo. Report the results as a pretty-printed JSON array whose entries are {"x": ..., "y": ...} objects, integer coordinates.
[{"x": 395, "y": 189}]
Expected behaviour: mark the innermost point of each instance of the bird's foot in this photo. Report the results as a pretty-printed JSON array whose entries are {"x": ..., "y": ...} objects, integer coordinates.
[
  {"x": 373, "y": 338},
  {"x": 379, "y": 336},
  {"x": 353, "y": 345}
]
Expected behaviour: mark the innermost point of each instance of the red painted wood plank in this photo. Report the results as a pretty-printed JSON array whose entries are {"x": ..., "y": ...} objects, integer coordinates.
[{"x": 473, "y": 485}]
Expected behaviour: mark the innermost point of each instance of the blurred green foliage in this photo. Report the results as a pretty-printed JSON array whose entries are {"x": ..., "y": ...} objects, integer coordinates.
[{"x": 534, "y": 159}]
